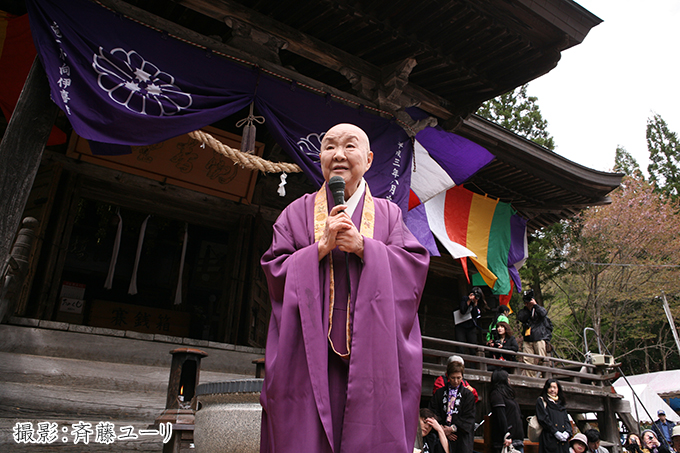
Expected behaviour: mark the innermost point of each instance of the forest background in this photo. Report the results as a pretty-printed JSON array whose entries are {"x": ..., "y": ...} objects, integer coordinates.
[{"x": 605, "y": 273}]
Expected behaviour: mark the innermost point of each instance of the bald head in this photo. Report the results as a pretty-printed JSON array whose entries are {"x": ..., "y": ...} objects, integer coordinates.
[
  {"x": 351, "y": 129},
  {"x": 346, "y": 152}
]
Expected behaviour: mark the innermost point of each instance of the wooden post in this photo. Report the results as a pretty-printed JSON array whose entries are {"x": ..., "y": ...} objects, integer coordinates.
[
  {"x": 608, "y": 425},
  {"x": 21, "y": 150}
]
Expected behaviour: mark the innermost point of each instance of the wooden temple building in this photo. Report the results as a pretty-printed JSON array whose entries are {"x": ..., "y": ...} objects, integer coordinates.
[{"x": 444, "y": 58}]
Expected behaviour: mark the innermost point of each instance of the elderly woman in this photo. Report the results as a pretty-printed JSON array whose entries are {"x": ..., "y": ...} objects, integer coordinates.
[
  {"x": 551, "y": 412},
  {"x": 578, "y": 443}
]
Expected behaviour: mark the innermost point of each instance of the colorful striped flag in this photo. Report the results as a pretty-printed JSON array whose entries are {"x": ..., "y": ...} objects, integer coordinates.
[
  {"x": 480, "y": 224},
  {"x": 441, "y": 160}
]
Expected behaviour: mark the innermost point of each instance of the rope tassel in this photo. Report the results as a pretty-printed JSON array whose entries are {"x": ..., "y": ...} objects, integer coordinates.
[{"x": 249, "y": 130}]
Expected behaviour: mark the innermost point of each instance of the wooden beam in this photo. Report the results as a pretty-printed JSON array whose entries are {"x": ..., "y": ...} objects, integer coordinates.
[
  {"x": 112, "y": 186},
  {"x": 609, "y": 429},
  {"x": 538, "y": 161},
  {"x": 313, "y": 49},
  {"x": 21, "y": 150}
]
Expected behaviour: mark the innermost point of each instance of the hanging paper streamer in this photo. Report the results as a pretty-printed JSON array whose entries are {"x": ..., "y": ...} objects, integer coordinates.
[
  {"x": 282, "y": 190},
  {"x": 133, "y": 281},
  {"x": 108, "y": 284},
  {"x": 249, "y": 131},
  {"x": 178, "y": 291}
]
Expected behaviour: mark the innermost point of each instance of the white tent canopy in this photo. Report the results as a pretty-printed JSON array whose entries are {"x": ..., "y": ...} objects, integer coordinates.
[
  {"x": 647, "y": 387},
  {"x": 664, "y": 383}
]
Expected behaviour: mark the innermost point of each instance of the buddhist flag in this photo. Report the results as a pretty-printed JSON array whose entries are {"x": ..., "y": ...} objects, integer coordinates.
[
  {"x": 504, "y": 299},
  {"x": 435, "y": 209},
  {"x": 481, "y": 225},
  {"x": 443, "y": 160}
]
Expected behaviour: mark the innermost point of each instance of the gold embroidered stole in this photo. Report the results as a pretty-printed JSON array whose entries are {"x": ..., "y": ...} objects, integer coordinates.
[{"x": 366, "y": 230}]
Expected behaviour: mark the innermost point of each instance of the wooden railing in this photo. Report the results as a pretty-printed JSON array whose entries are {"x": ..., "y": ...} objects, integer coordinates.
[{"x": 440, "y": 350}]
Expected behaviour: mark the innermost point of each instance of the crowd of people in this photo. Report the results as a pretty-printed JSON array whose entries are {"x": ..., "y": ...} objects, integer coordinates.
[
  {"x": 448, "y": 424},
  {"x": 536, "y": 330},
  {"x": 456, "y": 414}
]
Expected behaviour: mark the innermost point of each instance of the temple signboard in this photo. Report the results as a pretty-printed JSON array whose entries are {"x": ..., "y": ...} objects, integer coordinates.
[{"x": 182, "y": 161}]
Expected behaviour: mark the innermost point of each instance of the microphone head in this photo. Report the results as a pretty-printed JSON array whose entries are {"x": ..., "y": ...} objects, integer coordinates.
[{"x": 337, "y": 186}]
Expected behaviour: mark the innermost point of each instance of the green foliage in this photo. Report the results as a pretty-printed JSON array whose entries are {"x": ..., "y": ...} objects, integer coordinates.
[
  {"x": 520, "y": 114},
  {"x": 664, "y": 154},
  {"x": 544, "y": 263},
  {"x": 625, "y": 163},
  {"x": 616, "y": 261}
]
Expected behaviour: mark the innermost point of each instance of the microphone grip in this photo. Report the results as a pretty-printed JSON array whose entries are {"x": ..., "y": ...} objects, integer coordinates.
[
  {"x": 339, "y": 199},
  {"x": 337, "y": 187}
]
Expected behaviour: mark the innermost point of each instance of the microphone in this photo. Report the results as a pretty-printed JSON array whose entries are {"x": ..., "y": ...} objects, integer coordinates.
[{"x": 337, "y": 186}]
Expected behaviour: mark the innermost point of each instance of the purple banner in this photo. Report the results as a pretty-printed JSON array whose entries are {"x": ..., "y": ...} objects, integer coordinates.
[
  {"x": 518, "y": 231},
  {"x": 121, "y": 83}
]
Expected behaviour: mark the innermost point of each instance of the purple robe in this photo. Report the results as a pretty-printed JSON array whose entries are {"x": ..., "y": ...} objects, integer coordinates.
[{"x": 313, "y": 400}]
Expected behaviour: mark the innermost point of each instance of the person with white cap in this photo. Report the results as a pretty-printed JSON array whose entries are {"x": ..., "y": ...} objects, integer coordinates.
[{"x": 441, "y": 380}]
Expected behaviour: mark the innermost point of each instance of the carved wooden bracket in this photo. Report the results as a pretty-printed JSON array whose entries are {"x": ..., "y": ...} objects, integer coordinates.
[
  {"x": 395, "y": 78},
  {"x": 255, "y": 40},
  {"x": 389, "y": 94}
]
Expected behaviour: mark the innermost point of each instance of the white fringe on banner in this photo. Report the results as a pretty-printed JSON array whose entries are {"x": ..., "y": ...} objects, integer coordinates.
[
  {"x": 178, "y": 291},
  {"x": 133, "y": 281},
  {"x": 108, "y": 284}
]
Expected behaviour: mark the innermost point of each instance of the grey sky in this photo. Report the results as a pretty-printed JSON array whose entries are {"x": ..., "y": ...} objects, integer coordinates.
[{"x": 604, "y": 89}]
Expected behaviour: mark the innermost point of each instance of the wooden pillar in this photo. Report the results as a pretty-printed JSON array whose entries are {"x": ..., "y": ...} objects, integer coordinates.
[
  {"x": 21, "y": 150},
  {"x": 609, "y": 429}
]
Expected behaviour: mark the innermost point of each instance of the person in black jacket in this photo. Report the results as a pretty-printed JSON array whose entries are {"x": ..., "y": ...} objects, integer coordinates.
[
  {"x": 455, "y": 406},
  {"x": 633, "y": 444},
  {"x": 537, "y": 333},
  {"x": 551, "y": 412},
  {"x": 505, "y": 342},
  {"x": 506, "y": 419},
  {"x": 466, "y": 331}
]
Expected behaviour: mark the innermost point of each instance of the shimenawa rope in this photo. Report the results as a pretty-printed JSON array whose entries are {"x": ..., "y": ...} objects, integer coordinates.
[{"x": 249, "y": 161}]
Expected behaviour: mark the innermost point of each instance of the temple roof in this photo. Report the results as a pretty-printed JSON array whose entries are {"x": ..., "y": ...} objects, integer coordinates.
[
  {"x": 447, "y": 56},
  {"x": 541, "y": 185}
]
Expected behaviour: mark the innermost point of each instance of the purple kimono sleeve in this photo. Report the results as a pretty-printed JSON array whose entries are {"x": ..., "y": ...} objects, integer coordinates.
[{"x": 295, "y": 391}]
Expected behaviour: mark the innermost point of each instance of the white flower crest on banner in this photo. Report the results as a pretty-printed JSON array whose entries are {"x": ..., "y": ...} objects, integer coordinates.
[{"x": 138, "y": 84}]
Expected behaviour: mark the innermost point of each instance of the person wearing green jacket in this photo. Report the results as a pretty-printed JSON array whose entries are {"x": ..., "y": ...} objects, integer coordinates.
[{"x": 491, "y": 335}]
